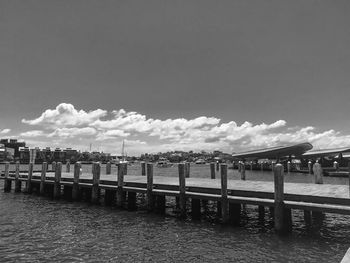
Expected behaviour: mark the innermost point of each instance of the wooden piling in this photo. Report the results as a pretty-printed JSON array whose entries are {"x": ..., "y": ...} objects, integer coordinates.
[
  {"x": 212, "y": 170},
  {"x": 108, "y": 168},
  {"x": 182, "y": 189},
  {"x": 243, "y": 171},
  {"x": 309, "y": 165},
  {"x": 120, "y": 192},
  {"x": 75, "y": 190},
  {"x": 29, "y": 187},
  {"x": 143, "y": 168},
  {"x": 224, "y": 199},
  {"x": 149, "y": 194},
  {"x": 279, "y": 198},
  {"x": 288, "y": 166},
  {"x": 18, "y": 183},
  {"x": 318, "y": 173},
  {"x": 68, "y": 167},
  {"x": 336, "y": 166},
  {"x": 57, "y": 182},
  {"x": 96, "y": 173},
  {"x": 217, "y": 166},
  {"x": 43, "y": 178},
  {"x": 7, "y": 182},
  {"x": 187, "y": 169}
]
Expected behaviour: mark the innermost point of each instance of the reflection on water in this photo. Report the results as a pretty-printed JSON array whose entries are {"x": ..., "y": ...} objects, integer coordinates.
[{"x": 35, "y": 228}]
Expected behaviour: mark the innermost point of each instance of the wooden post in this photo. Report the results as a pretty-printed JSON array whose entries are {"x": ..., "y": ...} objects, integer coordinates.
[
  {"x": 43, "y": 178},
  {"x": 57, "y": 183},
  {"x": 336, "y": 166},
  {"x": 288, "y": 166},
  {"x": 262, "y": 166},
  {"x": 182, "y": 190},
  {"x": 279, "y": 198},
  {"x": 120, "y": 192},
  {"x": 96, "y": 173},
  {"x": 212, "y": 170},
  {"x": 108, "y": 168},
  {"x": 18, "y": 183},
  {"x": 68, "y": 167},
  {"x": 317, "y": 169},
  {"x": 224, "y": 200},
  {"x": 243, "y": 171},
  {"x": 187, "y": 170},
  {"x": 143, "y": 168},
  {"x": 75, "y": 190},
  {"x": 251, "y": 166},
  {"x": 53, "y": 166},
  {"x": 309, "y": 165},
  {"x": 149, "y": 194},
  {"x": 217, "y": 165},
  {"x": 29, "y": 179},
  {"x": 7, "y": 182}
]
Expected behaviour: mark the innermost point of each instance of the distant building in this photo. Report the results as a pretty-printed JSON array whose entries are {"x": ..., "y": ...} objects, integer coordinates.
[{"x": 13, "y": 144}]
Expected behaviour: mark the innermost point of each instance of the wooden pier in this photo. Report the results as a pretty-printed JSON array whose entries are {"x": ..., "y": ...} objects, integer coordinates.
[{"x": 120, "y": 189}]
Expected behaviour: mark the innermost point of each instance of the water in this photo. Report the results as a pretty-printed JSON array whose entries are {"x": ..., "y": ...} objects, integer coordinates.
[{"x": 38, "y": 229}]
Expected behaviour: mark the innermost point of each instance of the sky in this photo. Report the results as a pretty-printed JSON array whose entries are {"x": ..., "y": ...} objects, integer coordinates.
[{"x": 168, "y": 75}]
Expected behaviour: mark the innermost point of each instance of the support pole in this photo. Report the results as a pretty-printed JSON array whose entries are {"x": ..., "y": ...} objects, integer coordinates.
[
  {"x": 318, "y": 173},
  {"x": 182, "y": 190},
  {"x": 18, "y": 183},
  {"x": 143, "y": 168},
  {"x": 7, "y": 182},
  {"x": 243, "y": 171},
  {"x": 96, "y": 173},
  {"x": 288, "y": 166},
  {"x": 224, "y": 199},
  {"x": 29, "y": 179},
  {"x": 212, "y": 170},
  {"x": 120, "y": 192},
  {"x": 279, "y": 198},
  {"x": 68, "y": 167},
  {"x": 57, "y": 183},
  {"x": 75, "y": 190},
  {"x": 309, "y": 165},
  {"x": 43, "y": 178},
  {"x": 187, "y": 170},
  {"x": 149, "y": 194},
  {"x": 108, "y": 168},
  {"x": 53, "y": 166}
]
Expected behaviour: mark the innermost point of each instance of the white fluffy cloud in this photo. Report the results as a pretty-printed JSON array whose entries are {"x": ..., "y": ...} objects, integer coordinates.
[
  {"x": 5, "y": 131},
  {"x": 67, "y": 125}
]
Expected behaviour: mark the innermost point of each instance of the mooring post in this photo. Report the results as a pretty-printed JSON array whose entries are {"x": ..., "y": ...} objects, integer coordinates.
[
  {"x": 7, "y": 182},
  {"x": 187, "y": 169},
  {"x": 243, "y": 171},
  {"x": 75, "y": 190},
  {"x": 251, "y": 165},
  {"x": 288, "y": 166},
  {"x": 96, "y": 173},
  {"x": 43, "y": 178},
  {"x": 57, "y": 182},
  {"x": 224, "y": 199},
  {"x": 217, "y": 166},
  {"x": 29, "y": 187},
  {"x": 18, "y": 183},
  {"x": 53, "y": 166},
  {"x": 143, "y": 168},
  {"x": 149, "y": 194},
  {"x": 108, "y": 168},
  {"x": 68, "y": 167},
  {"x": 309, "y": 165},
  {"x": 336, "y": 166},
  {"x": 212, "y": 170},
  {"x": 120, "y": 192},
  {"x": 262, "y": 166},
  {"x": 182, "y": 190},
  {"x": 318, "y": 173},
  {"x": 279, "y": 198}
]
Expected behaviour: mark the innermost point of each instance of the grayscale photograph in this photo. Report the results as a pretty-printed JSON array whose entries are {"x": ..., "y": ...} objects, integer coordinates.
[{"x": 175, "y": 131}]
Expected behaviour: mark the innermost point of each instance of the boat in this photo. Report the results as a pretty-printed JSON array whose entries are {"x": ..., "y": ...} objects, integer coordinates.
[
  {"x": 200, "y": 161},
  {"x": 163, "y": 163}
]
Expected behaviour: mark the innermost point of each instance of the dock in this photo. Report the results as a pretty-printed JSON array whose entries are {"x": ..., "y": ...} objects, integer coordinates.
[{"x": 191, "y": 194}]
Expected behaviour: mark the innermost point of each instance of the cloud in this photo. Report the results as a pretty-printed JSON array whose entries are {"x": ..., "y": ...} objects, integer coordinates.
[
  {"x": 66, "y": 115},
  {"x": 5, "y": 131},
  {"x": 67, "y": 125},
  {"x": 32, "y": 133}
]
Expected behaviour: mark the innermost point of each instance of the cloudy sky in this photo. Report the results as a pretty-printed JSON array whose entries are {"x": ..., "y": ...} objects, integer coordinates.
[{"x": 175, "y": 75}]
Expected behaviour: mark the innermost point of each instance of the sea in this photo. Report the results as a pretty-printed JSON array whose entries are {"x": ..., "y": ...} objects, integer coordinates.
[{"x": 38, "y": 229}]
